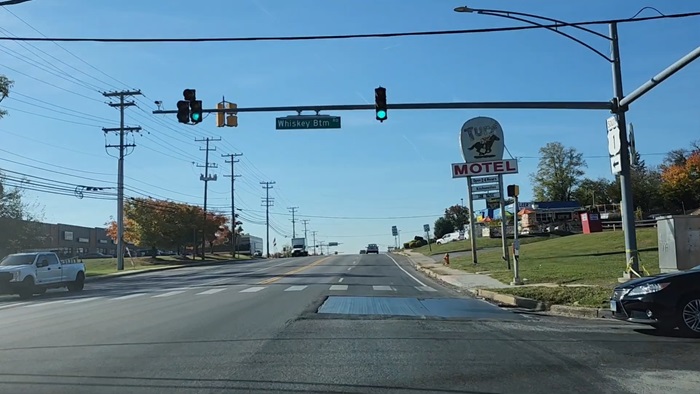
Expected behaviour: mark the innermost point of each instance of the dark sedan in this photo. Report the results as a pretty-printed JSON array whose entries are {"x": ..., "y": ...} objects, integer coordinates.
[{"x": 663, "y": 301}]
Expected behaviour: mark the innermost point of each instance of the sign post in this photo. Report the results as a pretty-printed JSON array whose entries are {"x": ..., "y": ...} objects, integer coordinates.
[
  {"x": 426, "y": 228},
  {"x": 514, "y": 191},
  {"x": 482, "y": 143},
  {"x": 395, "y": 233}
]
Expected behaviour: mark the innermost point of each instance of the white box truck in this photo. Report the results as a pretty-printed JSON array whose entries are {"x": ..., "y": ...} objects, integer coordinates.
[{"x": 299, "y": 247}]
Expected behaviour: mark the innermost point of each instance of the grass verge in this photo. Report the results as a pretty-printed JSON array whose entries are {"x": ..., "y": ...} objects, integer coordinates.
[
  {"x": 100, "y": 267},
  {"x": 481, "y": 243},
  {"x": 593, "y": 259},
  {"x": 588, "y": 296}
]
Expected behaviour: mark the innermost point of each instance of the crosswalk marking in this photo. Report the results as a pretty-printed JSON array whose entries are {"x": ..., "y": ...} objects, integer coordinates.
[
  {"x": 211, "y": 291},
  {"x": 168, "y": 294},
  {"x": 251, "y": 290},
  {"x": 79, "y": 300},
  {"x": 295, "y": 288},
  {"x": 44, "y": 303},
  {"x": 201, "y": 291},
  {"x": 130, "y": 296}
]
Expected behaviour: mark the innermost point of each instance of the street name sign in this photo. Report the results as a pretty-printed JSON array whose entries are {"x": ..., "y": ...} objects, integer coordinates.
[
  {"x": 486, "y": 179},
  {"x": 485, "y": 188},
  {"x": 485, "y": 196},
  {"x": 498, "y": 167},
  {"x": 306, "y": 122}
]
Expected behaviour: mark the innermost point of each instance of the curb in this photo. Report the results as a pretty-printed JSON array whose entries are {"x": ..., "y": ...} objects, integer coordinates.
[
  {"x": 511, "y": 300},
  {"x": 138, "y": 272},
  {"x": 578, "y": 311}
]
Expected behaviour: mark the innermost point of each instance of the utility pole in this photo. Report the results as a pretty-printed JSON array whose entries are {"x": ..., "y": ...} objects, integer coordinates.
[
  {"x": 294, "y": 232},
  {"x": 313, "y": 234},
  {"x": 232, "y": 160},
  {"x": 206, "y": 178},
  {"x": 305, "y": 221},
  {"x": 122, "y": 130},
  {"x": 267, "y": 203}
]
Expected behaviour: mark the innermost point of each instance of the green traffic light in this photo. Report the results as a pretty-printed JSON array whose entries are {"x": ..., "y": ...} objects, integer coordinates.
[
  {"x": 381, "y": 114},
  {"x": 196, "y": 117}
]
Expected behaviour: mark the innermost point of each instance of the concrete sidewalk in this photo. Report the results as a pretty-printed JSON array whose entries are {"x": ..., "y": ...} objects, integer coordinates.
[{"x": 454, "y": 277}]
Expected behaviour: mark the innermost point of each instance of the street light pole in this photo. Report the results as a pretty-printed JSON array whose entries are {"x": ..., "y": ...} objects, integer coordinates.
[{"x": 628, "y": 220}]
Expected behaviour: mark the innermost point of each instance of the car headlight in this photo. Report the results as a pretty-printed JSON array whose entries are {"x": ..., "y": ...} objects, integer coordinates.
[
  {"x": 647, "y": 289},
  {"x": 15, "y": 276}
]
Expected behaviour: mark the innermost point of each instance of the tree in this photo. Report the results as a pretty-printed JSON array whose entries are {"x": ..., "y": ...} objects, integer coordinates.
[
  {"x": 558, "y": 172},
  {"x": 19, "y": 224},
  {"x": 442, "y": 227},
  {"x": 5, "y": 85},
  {"x": 681, "y": 182},
  {"x": 458, "y": 216},
  {"x": 156, "y": 224},
  {"x": 596, "y": 192}
]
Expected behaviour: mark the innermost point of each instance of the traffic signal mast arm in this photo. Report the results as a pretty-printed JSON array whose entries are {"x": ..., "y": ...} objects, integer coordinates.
[{"x": 589, "y": 105}]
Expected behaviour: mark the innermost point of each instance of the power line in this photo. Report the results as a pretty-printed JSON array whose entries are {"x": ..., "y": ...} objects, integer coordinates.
[{"x": 353, "y": 36}]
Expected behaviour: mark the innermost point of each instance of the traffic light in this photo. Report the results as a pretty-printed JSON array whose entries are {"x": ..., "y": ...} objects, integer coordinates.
[
  {"x": 232, "y": 117},
  {"x": 513, "y": 190},
  {"x": 380, "y": 103},
  {"x": 196, "y": 111},
  {"x": 190, "y": 94},
  {"x": 220, "y": 116},
  {"x": 183, "y": 111}
]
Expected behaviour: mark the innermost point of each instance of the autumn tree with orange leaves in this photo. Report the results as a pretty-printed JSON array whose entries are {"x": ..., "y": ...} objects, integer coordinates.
[
  {"x": 681, "y": 181},
  {"x": 157, "y": 224}
]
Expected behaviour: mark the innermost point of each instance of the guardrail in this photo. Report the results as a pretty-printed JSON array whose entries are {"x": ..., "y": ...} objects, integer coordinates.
[{"x": 617, "y": 225}]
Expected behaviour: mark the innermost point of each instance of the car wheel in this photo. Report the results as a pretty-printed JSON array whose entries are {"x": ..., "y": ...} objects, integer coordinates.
[
  {"x": 689, "y": 319},
  {"x": 78, "y": 285}
]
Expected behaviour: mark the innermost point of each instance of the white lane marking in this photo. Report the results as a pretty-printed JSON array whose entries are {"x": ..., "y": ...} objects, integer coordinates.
[
  {"x": 340, "y": 280},
  {"x": 405, "y": 272},
  {"x": 237, "y": 274},
  {"x": 12, "y": 305},
  {"x": 251, "y": 290},
  {"x": 425, "y": 288},
  {"x": 295, "y": 288},
  {"x": 382, "y": 288},
  {"x": 338, "y": 287},
  {"x": 350, "y": 268},
  {"x": 130, "y": 296},
  {"x": 44, "y": 303},
  {"x": 82, "y": 300},
  {"x": 211, "y": 291},
  {"x": 168, "y": 294},
  {"x": 354, "y": 262}
]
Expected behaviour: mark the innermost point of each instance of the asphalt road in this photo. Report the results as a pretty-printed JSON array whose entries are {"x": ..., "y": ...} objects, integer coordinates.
[{"x": 253, "y": 327}]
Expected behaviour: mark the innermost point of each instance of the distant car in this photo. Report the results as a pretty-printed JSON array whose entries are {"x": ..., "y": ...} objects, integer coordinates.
[
  {"x": 362, "y": 251},
  {"x": 664, "y": 301},
  {"x": 372, "y": 248}
]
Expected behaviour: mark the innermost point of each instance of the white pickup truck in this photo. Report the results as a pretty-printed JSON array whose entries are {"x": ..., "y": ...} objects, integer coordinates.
[{"x": 27, "y": 274}]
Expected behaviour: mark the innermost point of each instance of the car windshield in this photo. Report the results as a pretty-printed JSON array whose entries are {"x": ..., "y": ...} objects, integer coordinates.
[
  {"x": 18, "y": 259},
  {"x": 696, "y": 268}
]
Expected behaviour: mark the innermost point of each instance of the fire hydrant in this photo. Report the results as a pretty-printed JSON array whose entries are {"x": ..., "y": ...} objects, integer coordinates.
[{"x": 446, "y": 259}]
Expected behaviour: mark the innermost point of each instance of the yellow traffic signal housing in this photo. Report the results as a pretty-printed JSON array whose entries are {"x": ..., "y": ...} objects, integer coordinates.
[
  {"x": 231, "y": 116},
  {"x": 220, "y": 115}
]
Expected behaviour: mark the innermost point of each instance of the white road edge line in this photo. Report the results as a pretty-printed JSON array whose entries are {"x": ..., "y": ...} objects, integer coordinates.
[
  {"x": 340, "y": 280},
  {"x": 406, "y": 272}
]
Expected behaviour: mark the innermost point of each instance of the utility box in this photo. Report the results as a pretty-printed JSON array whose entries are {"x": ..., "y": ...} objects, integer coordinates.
[
  {"x": 679, "y": 242},
  {"x": 591, "y": 223}
]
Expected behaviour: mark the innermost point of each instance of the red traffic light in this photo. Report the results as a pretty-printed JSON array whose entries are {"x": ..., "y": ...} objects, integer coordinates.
[{"x": 190, "y": 94}]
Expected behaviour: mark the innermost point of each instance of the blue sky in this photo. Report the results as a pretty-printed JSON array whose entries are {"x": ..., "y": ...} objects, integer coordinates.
[{"x": 400, "y": 168}]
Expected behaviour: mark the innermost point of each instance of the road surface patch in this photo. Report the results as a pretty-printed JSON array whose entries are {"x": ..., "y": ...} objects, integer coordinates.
[{"x": 414, "y": 307}]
